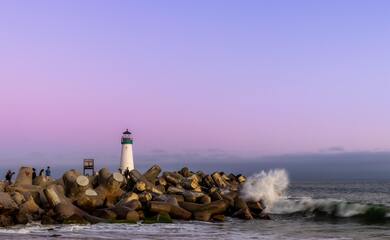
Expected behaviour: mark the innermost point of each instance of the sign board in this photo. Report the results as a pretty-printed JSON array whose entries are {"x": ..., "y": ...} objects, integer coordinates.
[{"x": 89, "y": 164}]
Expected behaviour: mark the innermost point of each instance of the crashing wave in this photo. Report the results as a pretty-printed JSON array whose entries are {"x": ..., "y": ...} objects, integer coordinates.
[
  {"x": 331, "y": 208},
  {"x": 268, "y": 187}
]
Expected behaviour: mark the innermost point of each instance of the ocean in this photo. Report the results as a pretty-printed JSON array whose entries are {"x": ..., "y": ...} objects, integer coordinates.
[{"x": 309, "y": 210}]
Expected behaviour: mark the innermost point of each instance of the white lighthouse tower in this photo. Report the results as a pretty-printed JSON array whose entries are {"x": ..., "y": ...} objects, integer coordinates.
[{"x": 127, "y": 151}]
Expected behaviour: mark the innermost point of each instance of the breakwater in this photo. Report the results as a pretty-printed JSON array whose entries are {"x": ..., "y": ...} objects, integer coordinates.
[{"x": 134, "y": 197}]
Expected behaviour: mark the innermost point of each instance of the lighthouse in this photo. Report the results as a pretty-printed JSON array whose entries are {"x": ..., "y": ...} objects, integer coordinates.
[{"x": 127, "y": 151}]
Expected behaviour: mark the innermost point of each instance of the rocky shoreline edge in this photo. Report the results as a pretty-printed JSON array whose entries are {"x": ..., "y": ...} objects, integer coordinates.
[{"x": 107, "y": 197}]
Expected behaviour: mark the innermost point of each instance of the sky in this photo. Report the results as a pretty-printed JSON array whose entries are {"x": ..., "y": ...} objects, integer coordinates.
[{"x": 193, "y": 80}]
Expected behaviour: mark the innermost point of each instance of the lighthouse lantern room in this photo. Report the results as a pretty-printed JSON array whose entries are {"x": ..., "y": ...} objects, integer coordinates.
[{"x": 127, "y": 161}]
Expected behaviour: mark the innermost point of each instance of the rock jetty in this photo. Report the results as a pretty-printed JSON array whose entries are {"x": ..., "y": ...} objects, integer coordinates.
[{"x": 107, "y": 197}]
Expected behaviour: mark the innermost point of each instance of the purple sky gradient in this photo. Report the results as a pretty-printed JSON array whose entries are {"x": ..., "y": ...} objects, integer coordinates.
[{"x": 246, "y": 78}]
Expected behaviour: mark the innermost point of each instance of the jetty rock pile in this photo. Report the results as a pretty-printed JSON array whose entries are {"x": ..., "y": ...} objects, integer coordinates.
[{"x": 108, "y": 197}]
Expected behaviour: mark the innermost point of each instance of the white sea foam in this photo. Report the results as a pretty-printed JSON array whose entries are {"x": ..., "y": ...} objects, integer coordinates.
[
  {"x": 334, "y": 207},
  {"x": 266, "y": 186}
]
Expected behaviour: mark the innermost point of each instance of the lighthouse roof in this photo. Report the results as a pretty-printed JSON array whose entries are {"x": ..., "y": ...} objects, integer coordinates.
[{"x": 127, "y": 132}]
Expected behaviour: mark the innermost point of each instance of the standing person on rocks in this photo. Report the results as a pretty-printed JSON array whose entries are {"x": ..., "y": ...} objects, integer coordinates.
[
  {"x": 34, "y": 174},
  {"x": 41, "y": 172},
  {"x": 127, "y": 173},
  {"x": 48, "y": 172},
  {"x": 8, "y": 176}
]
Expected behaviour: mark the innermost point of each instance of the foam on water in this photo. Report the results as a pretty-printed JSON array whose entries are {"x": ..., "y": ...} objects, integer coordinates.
[
  {"x": 231, "y": 229},
  {"x": 331, "y": 208}
]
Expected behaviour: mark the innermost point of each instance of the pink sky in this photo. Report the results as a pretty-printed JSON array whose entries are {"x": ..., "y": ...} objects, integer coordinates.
[{"x": 255, "y": 79}]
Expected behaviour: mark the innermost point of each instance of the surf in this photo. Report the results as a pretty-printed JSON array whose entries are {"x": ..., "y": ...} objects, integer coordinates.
[
  {"x": 271, "y": 188},
  {"x": 331, "y": 208}
]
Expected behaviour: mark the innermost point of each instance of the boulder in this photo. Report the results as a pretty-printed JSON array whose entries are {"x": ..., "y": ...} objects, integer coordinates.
[
  {"x": 7, "y": 204},
  {"x": 24, "y": 176}
]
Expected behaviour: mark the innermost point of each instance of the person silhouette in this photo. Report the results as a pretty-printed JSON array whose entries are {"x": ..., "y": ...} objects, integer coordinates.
[
  {"x": 127, "y": 173},
  {"x": 48, "y": 172},
  {"x": 8, "y": 176},
  {"x": 34, "y": 174}
]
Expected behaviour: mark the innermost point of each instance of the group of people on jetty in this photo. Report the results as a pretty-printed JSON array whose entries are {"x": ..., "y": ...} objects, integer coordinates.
[{"x": 47, "y": 172}]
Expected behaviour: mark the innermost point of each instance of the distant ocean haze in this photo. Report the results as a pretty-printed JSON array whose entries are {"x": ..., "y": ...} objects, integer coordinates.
[{"x": 300, "y": 167}]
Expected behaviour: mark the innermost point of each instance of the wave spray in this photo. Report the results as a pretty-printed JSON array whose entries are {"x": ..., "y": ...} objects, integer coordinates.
[{"x": 266, "y": 186}]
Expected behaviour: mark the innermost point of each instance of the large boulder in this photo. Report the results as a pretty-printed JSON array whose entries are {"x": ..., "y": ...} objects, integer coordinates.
[
  {"x": 7, "y": 204},
  {"x": 24, "y": 176}
]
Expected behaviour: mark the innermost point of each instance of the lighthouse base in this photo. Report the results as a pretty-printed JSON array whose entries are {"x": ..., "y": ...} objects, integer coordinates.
[{"x": 127, "y": 161}]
